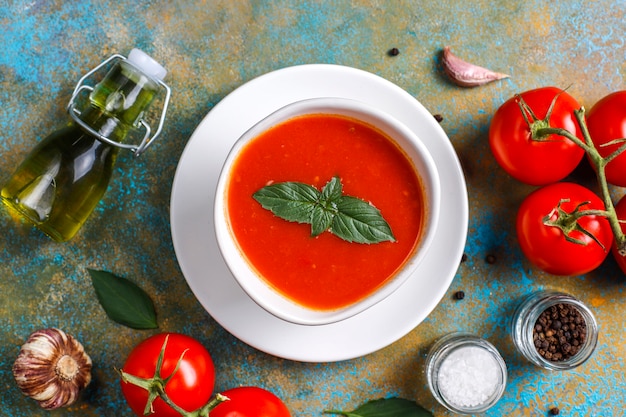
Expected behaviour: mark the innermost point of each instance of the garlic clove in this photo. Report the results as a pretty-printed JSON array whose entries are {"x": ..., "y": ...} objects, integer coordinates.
[
  {"x": 52, "y": 368},
  {"x": 466, "y": 74}
]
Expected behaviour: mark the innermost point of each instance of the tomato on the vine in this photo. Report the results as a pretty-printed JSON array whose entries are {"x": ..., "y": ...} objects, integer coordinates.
[
  {"x": 250, "y": 402},
  {"x": 546, "y": 246},
  {"x": 539, "y": 160},
  {"x": 191, "y": 386},
  {"x": 620, "y": 209},
  {"x": 606, "y": 122}
]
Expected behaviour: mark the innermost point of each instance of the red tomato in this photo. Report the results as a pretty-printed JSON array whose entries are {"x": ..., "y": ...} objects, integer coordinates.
[
  {"x": 620, "y": 208},
  {"x": 546, "y": 246},
  {"x": 190, "y": 388},
  {"x": 531, "y": 161},
  {"x": 606, "y": 122},
  {"x": 250, "y": 402}
]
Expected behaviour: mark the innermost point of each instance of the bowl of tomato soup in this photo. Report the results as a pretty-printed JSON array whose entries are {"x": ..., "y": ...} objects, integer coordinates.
[{"x": 307, "y": 259}]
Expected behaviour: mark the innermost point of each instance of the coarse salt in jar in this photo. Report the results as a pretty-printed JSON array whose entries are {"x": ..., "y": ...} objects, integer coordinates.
[{"x": 465, "y": 373}]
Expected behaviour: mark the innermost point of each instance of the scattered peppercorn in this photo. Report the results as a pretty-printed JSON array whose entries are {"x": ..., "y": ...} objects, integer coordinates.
[
  {"x": 459, "y": 295},
  {"x": 490, "y": 259},
  {"x": 560, "y": 332},
  {"x": 554, "y": 411},
  {"x": 438, "y": 117},
  {"x": 394, "y": 52},
  {"x": 464, "y": 257}
]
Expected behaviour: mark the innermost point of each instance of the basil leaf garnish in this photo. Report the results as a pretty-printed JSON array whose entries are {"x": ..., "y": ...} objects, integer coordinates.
[
  {"x": 321, "y": 220},
  {"x": 123, "y": 301},
  {"x": 292, "y": 201},
  {"x": 386, "y": 407},
  {"x": 349, "y": 218},
  {"x": 358, "y": 221},
  {"x": 332, "y": 191}
]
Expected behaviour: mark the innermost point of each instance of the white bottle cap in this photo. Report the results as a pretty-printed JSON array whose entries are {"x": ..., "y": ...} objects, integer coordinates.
[{"x": 146, "y": 64}]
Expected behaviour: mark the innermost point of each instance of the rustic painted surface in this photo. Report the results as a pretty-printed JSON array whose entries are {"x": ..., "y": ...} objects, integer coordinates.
[{"x": 212, "y": 47}]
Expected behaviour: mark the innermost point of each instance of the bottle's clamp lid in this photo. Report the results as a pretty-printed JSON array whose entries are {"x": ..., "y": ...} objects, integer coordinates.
[{"x": 144, "y": 63}]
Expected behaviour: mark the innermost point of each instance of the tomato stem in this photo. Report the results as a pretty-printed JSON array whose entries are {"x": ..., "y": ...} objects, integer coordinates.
[
  {"x": 617, "y": 152},
  {"x": 156, "y": 388},
  {"x": 599, "y": 164},
  {"x": 206, "y": 409},
  {"x": 568, "y": 222},
  {"x": 537, "y": 126}
]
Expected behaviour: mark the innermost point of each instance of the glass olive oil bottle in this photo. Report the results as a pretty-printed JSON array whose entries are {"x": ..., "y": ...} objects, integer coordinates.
[{"x": 62, "y": 180}]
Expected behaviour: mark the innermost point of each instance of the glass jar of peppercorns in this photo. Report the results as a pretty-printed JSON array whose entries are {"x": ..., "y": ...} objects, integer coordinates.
[{"x": 554, "y": 330}]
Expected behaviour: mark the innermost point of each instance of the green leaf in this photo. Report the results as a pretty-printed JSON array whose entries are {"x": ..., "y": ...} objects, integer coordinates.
[
  {"x": 321, "y": 220},
  {"x": 123, "y": 301},
  {"x": 323, "y": 214},
  {"x": 332, "y": 191},
  {"x": 386, "y": 407},
  {"x": 349, "y": 218},
  {"x": 358, "y": 221},
  {"x": 292, "y": 201}
]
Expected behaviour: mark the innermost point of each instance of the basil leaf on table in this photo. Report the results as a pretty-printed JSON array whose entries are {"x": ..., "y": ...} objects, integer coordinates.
[
  {"x": 386, "y": 407},
  {"x": 347, "y": 217},
  {"x": 123, "y": 301}
]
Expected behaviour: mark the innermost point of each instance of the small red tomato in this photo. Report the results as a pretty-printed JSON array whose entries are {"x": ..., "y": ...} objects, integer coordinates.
[
  {"x": 620, "y": 209},
  {"x": 250, "y": 402},
  {"x": 536, "y": 162},
  {"x": 546, "y": 247},
  {"x": 191, "y": 386},
  {"x": 606, "y": 122}
]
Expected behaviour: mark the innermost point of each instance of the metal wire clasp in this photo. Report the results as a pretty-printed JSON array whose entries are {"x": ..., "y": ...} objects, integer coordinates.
[{"x": 147, "y": 139}]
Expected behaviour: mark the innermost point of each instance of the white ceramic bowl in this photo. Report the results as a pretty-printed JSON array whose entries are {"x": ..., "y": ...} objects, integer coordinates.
[{"x": 255, "y": 286}]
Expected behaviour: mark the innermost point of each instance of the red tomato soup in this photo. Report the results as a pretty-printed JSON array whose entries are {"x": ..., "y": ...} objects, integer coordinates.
[{"x": 324, "y": 272}]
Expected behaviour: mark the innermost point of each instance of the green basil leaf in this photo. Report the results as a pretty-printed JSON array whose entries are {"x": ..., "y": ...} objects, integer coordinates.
[
  {"x": 358, "y": 221},
  {"x": 332, "y": 191},
  {"x": 123, "y": 301},
  {"x": 292, "y": 201},
  {"x": 386, "y": 407},
  {"x": 347, "y": 217},
  {"x": 321, "y": 220}
]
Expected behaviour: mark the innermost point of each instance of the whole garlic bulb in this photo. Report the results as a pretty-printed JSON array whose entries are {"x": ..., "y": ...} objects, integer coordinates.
[{"x": 52, "y": 368}]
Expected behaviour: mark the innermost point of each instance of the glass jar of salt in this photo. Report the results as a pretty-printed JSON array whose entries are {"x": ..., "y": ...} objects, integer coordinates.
[{"x": 465, "y": 373}]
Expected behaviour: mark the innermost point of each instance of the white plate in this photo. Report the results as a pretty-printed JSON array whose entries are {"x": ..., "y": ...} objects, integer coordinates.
[{"x": 193, "y": 231}]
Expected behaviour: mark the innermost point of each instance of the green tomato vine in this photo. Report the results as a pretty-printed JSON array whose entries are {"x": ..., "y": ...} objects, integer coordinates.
[{"x": 598, "y": 161}]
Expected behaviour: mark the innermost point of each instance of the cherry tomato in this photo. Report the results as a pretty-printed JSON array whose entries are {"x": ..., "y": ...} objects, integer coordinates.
[
  {"x": 620, "y": 208},
  {"x": 606, "y": 122},
  {"x": 190, "y": 388},
  {"x": 250, "y": 402},
  {"x": 528, "y": 160},
  {"x": 546, "y": 246}
]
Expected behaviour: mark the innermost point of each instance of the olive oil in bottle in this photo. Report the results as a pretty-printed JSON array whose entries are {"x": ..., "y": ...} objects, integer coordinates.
[{"x": 64, "y": 177}]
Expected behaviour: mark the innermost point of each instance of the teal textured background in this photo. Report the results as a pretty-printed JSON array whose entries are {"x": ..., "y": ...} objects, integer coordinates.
[{"x": 212, "y": 47}]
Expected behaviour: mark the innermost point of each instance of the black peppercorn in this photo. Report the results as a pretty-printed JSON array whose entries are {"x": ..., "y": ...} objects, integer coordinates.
[
  {"x": 559, "y": 332},
  {"x": 554, "y": 411},
  {"x": 490, "y": 259},
  {"x": 439, "y": 118},
  {"x": 459, "y": 295},
  {"x": 394, "y": 52}
]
